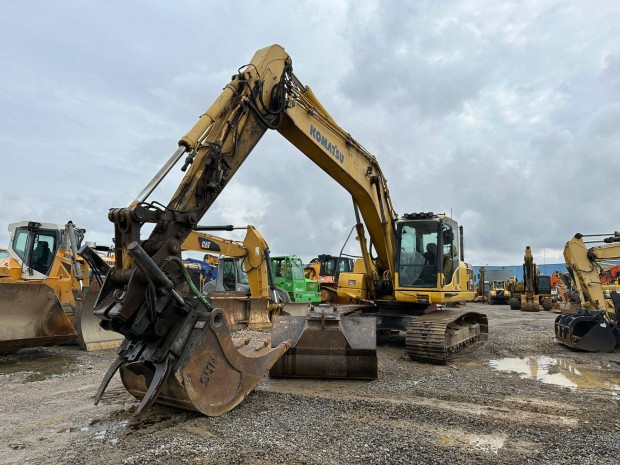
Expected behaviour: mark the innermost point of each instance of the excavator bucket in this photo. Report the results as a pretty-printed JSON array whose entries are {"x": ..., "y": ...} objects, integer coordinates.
[
  {"x": 203, "y": 371},
  {"x": 31, "y": 316},
  {"x": 587, "y": 331},
  {"x": 325, "y": 345},
  {"x": 530, "y": 305},
  {"x": 90, "y": 335}
]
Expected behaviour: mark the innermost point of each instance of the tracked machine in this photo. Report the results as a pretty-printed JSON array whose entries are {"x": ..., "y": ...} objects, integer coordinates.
[
  {"x": 594, "y": 327},
  {"x": 178, "y": 350}
]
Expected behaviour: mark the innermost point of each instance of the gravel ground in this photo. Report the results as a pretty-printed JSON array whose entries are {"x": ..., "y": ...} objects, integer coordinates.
[{"x": 521, "y": 399}]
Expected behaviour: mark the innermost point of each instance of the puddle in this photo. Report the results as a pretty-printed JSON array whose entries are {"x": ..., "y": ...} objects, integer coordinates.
[
  {"x": 39, "y": 365},
  {"x": 559, "y": 372}
]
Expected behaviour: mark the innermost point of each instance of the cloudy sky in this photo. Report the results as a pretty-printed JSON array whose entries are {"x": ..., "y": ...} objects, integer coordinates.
[{"x": 506, "y": 114}]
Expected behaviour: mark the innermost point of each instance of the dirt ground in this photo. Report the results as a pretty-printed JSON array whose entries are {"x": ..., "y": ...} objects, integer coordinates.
[{"x": 522, "y": 398}]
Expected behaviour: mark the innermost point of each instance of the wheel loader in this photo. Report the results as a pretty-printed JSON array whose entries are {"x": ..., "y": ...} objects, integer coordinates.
[
  {"x": 326, "y": 269},
  {"x": 46, "y": 291},
  {"x": 178, "y": 350}
]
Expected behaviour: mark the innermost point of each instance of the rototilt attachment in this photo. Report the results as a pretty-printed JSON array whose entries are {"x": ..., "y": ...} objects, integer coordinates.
[
  {"x": 325, "y": 345},
  {"x": 177, "y": 350},
  {"x": 591, "y": 331},
  {"x": 202, "y": 370}
]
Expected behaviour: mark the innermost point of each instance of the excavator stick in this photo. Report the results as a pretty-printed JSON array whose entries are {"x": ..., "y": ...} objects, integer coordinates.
[
  {"x": 31, "y": 316},
  {"x": 90, "y": 335},
  {"x": 587, "y": 331},
  {"x": 325, "y": 345},
  {"x": 202, "y": 370},
  {"x": 443, "y": 336}
]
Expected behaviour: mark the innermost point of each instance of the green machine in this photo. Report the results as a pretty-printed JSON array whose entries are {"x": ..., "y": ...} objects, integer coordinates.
[{"x": 288, "y": 272}]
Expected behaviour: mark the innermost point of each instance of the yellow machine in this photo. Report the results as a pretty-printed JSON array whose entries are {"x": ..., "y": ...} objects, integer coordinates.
[
  {"x": 594, "y": 328},
  {"x": 178, "y": 350},
  {"x": 530, "y": 301},
  {"x": 44, "y": 286},
  {"x": 241, "y": 310},
  {"x": 498, "y": 292},
  {"x": 325, "y": 270}
]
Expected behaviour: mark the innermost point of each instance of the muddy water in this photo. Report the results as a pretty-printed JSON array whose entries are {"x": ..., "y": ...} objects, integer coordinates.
[
  {"x": 560, "y": 372},
  {"x": 38, "y": 365}
]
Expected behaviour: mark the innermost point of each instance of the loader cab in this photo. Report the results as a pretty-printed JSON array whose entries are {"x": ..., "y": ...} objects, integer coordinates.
[
  {"x": 36, "y": 245},
  {"x": 428, "y": 248},
  {"x": 333, "y": 266}
]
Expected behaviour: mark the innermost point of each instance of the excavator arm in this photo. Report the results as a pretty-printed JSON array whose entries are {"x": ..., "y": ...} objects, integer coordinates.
[{"x": 595, "y": 327}]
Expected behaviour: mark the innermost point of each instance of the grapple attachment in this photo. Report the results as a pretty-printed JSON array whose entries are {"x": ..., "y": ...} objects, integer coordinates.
[
  {"x": 202, "y": 370},
  {"x": 325, "y": 345},
  {"x": 588, "y": 331},
  {"x": 31, "y": 316}
]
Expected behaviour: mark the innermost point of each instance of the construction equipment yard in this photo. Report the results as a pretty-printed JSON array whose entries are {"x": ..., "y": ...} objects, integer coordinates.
[{"x": 522, "y": 398}]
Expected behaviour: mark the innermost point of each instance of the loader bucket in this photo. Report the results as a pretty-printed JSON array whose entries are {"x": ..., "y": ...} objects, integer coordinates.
[
  {"x": 210, "y": 375},
  {"x": 587, "y": 331},
  {"x": 31, "y": 316},
  {"x": 90, "y": 335},
  {"x": 324, "y": 345}
]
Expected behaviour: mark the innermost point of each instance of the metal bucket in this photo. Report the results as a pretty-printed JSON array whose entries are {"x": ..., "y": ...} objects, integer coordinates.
[
  {"x": 31, "y": 316},
  {"x": 90, "y": 335},
  {"x": 324, "y": 345},
  {"x": 588, "y": 331}
]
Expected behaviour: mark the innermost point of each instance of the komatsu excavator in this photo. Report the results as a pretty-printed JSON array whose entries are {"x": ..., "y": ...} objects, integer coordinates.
[
  {"x": 46, "y": 290},
  {"x": 594, "y": 328},
  {"x": 177, "y": 349}
]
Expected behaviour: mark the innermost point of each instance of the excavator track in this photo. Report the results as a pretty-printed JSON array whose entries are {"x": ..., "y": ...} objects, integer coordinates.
[{"x": 443, "y": 336}]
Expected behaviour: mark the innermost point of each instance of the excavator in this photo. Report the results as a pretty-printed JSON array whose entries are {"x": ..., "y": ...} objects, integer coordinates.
[
  {"x": 534, "y": 291},
  {"x": 245, "y": 269},
  {"x": 46, "y": 290},
  {"x": 177, "y": 349},
  {"x": 594, "y": 327}
]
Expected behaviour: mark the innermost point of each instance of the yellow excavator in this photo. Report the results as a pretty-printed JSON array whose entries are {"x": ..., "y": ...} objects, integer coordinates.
[
  {"x": 46, "y": 290},
  {"x": 178, "y": 350},
  {"x": 594, "y": 328},
  {"x": 245, "y": 265}
]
